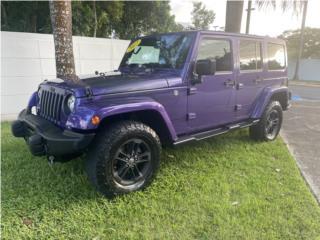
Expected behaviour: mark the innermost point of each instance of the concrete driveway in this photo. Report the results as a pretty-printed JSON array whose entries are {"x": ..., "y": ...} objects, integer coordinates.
[{"x": 301, "y": 132}]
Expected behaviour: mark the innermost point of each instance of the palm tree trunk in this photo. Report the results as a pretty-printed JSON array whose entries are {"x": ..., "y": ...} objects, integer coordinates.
[
  {"x": 296, "y": 72},
  {"x": 61, "y": 20},
  {"x": 234, "y": 16}
]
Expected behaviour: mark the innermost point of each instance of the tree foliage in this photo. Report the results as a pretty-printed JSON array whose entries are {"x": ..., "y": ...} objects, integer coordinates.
[
  {"x": 93, "y": 18},
  {"x": 24, "y": 16},
  {"x": 144, "y": 17},
  {"x": 107, "y": 13},
  {"x": 311, "y": 47},
  {"x": 201, "y": 17},
  {"x": 296, "y": 6}
]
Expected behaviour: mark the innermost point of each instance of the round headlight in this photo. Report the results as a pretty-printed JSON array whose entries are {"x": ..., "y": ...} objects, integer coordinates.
[{"x": 71, "y": 103}]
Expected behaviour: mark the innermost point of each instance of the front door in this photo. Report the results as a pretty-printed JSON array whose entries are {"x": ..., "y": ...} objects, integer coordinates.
[{"x": 211, "y": 102}]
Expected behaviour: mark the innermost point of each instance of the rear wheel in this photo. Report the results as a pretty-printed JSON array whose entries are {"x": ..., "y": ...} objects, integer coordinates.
[
  {"x": 124, "y": 158},
  {"x": 269, "y": 125}
]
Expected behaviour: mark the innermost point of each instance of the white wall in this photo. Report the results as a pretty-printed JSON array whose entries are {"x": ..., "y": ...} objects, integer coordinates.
[
  {"x": 28, "y": 58},
  {"x": 309, "y": 69}
]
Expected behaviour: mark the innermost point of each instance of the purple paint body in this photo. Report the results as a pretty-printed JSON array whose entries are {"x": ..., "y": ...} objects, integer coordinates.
[
  {"x": 184, "y": 108},
  {"x": 169, "y": 89}
]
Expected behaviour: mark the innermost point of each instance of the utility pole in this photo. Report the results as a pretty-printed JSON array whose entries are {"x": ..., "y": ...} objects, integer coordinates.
[
  {"x": 303, "y": 23},
  {"x": 249, "y": 9}
]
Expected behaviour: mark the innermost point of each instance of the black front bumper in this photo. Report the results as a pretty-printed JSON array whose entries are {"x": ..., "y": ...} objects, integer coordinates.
[{"x": 45, "y": 138}]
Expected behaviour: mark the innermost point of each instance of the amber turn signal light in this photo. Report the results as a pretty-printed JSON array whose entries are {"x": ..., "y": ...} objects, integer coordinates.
[{"x": 95, "y": 120}]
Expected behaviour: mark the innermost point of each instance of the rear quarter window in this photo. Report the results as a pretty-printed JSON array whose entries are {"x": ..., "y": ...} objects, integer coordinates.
[{"x": 276, "y": 56}]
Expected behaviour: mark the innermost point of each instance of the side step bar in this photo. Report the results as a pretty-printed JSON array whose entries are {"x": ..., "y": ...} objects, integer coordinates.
[{"x": 214, "y": 132}]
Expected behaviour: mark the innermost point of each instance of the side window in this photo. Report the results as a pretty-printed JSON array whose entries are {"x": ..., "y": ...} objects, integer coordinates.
[
  {"x": 276, "y": 56},
  {"x": 250, "y": 55},
  {"x": 216, "y": 49}
]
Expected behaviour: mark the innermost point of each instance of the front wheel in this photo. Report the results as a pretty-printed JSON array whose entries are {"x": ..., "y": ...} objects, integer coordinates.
[
  {"x": 269, "y": 125},
  {"x": 124, "y": 158}
]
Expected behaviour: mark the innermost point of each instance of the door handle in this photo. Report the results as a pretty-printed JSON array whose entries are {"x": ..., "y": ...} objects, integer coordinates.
[
  {"x": 229, "y": 83},
  {"x": 240, "y": 85}
]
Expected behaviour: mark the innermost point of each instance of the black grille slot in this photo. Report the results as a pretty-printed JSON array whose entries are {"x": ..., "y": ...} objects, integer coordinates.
[{"x": 50, "y": 105}]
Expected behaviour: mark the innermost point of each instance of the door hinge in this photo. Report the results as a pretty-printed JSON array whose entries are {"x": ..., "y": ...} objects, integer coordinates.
[
  {"x": 192, "y": 90},
  {"x": 238, "y": 107},
  {"x": 191, "y": 116},
  {"x": 240, "y": 85}
]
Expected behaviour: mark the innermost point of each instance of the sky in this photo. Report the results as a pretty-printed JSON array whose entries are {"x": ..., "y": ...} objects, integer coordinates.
[{"x": 263, "y": 22}]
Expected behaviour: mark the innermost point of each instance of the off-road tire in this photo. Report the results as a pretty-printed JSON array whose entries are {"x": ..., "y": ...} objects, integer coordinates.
[
  {"x": 101, "y": 154},
  {"x": 258, "y": 132}
]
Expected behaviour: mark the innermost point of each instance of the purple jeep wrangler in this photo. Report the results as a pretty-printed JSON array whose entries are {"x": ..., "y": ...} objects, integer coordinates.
[{"x": 169, "y": 89}]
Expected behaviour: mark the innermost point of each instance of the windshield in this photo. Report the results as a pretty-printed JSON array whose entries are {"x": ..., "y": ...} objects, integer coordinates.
[{"x": 159, "y": 51}]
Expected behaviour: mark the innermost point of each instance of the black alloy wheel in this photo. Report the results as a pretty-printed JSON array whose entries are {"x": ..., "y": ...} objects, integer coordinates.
[
  {"x": 268, "y": 128},
  {"x": 272, "y": 126},
  {"x": 132, "y": 163},
  {"x": 124, "y": 157}
]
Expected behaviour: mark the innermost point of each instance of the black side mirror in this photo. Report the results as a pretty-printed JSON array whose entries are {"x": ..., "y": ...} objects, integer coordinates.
[
  {"x": 206, "y": 67},
  {"x": 203, "y": 67}
]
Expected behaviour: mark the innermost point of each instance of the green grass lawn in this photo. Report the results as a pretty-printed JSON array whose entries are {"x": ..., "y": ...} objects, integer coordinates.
[{"x": 228, "y": 187}]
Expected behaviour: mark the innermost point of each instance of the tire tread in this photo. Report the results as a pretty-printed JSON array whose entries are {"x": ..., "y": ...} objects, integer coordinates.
[
  {"x": 257, "y": 132},
  {"x": 99, "y": 154}
]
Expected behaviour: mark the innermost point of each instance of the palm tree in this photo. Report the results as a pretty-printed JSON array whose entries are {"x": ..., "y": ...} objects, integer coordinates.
[
  {"x": 295, "y": 5},
  {"x": 61, "y": 20},
  {"x": 234, "y": 10},
  {"x": 234, "y": 16}
]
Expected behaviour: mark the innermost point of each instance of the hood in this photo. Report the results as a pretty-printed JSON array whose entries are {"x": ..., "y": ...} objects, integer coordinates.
[{"x": 119, "y": 83}]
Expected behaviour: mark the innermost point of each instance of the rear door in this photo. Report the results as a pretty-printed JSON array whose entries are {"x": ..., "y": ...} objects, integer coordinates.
[
  {"x": 211, "y": 103},
  {"x": 250, "y": 76}
]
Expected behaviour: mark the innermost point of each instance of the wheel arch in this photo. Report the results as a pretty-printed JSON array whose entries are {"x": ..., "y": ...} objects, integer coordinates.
[
  {"x": 271, "y": 94},
  {"x": 159, "y": 121},
  {"x": 282, "y": 98}
]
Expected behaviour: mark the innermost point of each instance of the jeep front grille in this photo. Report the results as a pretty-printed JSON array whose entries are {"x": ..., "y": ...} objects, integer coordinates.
[{"x": 50, "y": 105}]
